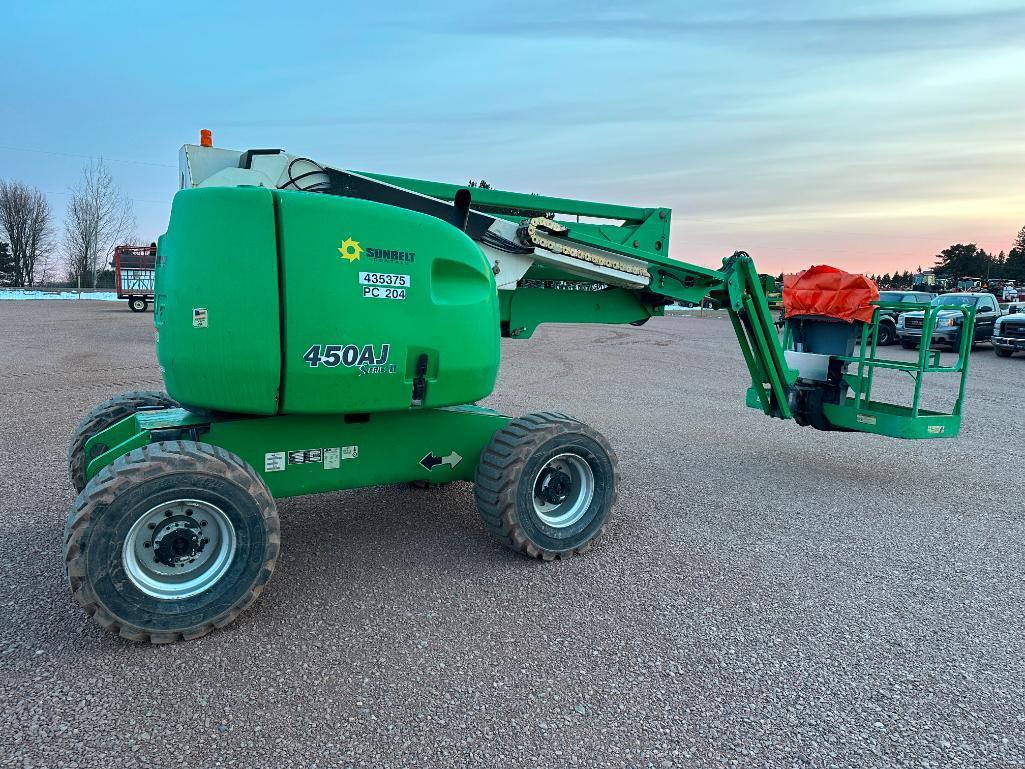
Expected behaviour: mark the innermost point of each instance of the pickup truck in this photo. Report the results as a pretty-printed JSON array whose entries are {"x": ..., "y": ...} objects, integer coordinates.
[
  {"x": 1009, "y": 334},
  {"x": 888, "y": 318},
  {"x": 948, "y": 322}
]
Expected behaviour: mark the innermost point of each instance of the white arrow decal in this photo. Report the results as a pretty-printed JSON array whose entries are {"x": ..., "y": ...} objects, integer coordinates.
[{"x": 452, "y": 459}]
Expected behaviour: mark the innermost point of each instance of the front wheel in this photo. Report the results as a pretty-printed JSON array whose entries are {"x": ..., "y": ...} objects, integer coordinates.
[
  {"x": 907, "y": 344},
  {"x": 170, "y": 541},
  {"x": 137, "y": 304},
  {"x": 545, "y": 485},
  {"x": 1002, "y": 353}
]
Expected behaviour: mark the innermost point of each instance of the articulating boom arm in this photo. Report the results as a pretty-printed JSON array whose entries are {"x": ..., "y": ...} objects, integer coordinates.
[{"x": 550, "y": 266}]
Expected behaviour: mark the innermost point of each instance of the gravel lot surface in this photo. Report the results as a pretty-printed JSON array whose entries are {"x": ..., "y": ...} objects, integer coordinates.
[{"x": 766, "y": 595}]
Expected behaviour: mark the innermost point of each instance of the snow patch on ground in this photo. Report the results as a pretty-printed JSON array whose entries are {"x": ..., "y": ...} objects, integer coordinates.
[{"x": 102, "y": 296}]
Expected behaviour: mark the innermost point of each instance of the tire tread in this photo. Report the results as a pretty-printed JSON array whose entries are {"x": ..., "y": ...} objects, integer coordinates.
[
  {"x": 139, "y": 465},
  {"x": 498, "y": 474},
  {"x": 103, "y": 416}
]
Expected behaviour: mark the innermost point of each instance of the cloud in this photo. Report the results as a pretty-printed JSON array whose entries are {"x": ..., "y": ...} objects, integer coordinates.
[{"x": 770, "y": 26}]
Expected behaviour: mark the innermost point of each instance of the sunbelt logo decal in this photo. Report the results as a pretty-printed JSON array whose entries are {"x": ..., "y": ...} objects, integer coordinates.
[
  {"x": 366, "y": 359},
  {"x": 351, "y": 251}
]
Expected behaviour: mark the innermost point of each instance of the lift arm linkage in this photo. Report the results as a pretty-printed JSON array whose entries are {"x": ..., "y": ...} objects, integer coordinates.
[{"x": 740, "y": 290}]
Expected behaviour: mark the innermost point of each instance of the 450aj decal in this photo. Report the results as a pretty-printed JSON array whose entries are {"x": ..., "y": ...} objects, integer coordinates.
[{"x": 365, "y": 359}]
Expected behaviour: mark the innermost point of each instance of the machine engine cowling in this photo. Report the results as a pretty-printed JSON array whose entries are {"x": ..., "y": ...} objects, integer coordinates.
[{"x": 291, "y": 302}]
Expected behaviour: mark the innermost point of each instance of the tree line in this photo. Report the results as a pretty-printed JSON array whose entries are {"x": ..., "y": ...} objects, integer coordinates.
[
  {"x": 963, "y": 260},
  {"x": 33, "y": 252}
]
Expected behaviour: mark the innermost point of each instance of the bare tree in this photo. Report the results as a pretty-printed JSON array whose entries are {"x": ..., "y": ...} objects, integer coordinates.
[
  {"x": 40, "y": 240},
  {"x": 25, "y": 219},
  {"x": 99, "y": 217}
]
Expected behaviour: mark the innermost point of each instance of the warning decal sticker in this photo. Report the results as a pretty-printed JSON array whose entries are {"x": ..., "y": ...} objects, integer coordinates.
[{"x": 306, "y": 456}]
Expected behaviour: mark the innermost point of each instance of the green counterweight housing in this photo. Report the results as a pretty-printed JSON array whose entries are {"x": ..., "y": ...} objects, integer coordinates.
[
  {"x": 283, "y": 302},
  {"x": 321, "y": 329}
]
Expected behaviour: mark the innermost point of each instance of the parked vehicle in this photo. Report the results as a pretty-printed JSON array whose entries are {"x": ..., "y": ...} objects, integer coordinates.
[
  {"x": 948, "y": 322},
  {"x": 969, "y": 284},
  {"x": 888, "y": 317},
  {"x": 1009, "y": 334},
  {"x": 133, "y": 275}
]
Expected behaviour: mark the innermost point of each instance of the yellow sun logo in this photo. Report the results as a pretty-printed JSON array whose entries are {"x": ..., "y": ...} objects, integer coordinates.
[{"x": 350, "y": 250}]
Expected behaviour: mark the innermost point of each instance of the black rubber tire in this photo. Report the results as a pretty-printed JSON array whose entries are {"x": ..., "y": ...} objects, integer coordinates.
[
  {"x": 887, "y": 334},
  {"x": 103, "y": 416},
  {"x": 137, "y": 304},
  {"x": 907, "y": 345},
  {"x": 104, "y": 512},
  {"x": 1001, "y": 353},
  {"x": 507, "y": 466}
]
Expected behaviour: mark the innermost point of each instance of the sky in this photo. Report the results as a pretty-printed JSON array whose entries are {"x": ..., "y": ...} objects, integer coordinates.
[{"x": 866, "y": 135}]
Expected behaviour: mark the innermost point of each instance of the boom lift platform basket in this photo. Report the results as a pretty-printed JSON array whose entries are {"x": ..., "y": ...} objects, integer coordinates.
[{"x": 833, "y": 386}]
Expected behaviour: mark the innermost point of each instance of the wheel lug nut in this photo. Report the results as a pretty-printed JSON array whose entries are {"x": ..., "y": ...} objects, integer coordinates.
[
  {"x": 203, "y": 523},
  {"x": 188, "y": 512},
  {"x": 145, "y": 544},
  {"x": 167, "y": 513}
]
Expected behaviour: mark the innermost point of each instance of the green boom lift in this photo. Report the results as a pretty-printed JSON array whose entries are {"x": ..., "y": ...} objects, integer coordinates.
[{"x": 321, "y": 329}]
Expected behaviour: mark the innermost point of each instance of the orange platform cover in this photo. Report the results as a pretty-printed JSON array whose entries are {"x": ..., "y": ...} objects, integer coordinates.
[{"x": 824, "y": 290}]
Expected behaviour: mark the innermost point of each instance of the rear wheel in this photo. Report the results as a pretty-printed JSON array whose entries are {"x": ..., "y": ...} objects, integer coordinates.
[
  {"x": 545, "y": 485},
  {"x": 103, "y": 416},
  {"x": 170, "y": 541},
  {"x": 137, "y": 303}
]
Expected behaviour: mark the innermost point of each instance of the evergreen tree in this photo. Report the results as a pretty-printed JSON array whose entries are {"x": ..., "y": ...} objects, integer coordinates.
[
  {"x": 1019, "y": 242},
  {"x": 6, "y": 265},
  {"x": 1014, "y": 265},
  {"x": 962, "y": 260}
]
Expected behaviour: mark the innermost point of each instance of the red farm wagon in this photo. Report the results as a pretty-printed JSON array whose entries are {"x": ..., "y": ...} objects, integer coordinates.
[{"x": 134, "y": 275}]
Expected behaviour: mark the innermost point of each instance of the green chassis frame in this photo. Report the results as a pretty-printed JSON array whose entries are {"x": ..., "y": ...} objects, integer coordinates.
[{"x": 435, "y": 445}]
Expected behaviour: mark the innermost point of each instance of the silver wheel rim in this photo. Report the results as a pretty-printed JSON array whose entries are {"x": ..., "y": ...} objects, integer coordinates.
[
  {"x": 178, "y": 549},
  {"x": 562, "y": 490}
]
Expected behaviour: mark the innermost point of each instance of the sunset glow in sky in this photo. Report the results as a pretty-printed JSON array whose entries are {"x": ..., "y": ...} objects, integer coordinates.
[{"x": 866, "y": 135}]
